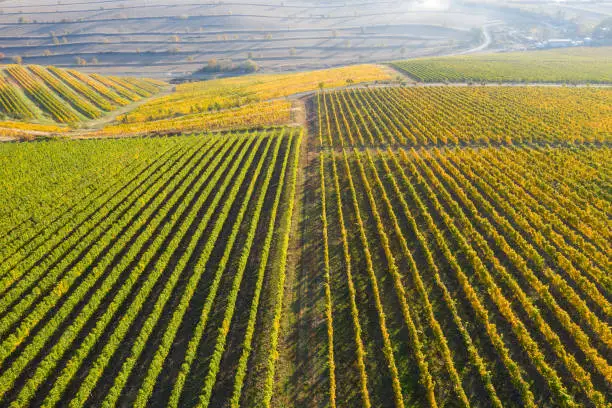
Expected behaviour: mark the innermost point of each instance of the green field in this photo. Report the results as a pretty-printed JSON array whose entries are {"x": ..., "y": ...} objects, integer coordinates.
[
  {"x": 122, "y": 286},
  {"x": 465, "y": 272},
  {"x": 572, "y": 65}
]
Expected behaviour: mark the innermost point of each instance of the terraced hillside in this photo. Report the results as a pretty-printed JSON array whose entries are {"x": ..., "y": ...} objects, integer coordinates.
[
  {"x": 161, "y": 38},
  {"x": 36, "y": 93}
]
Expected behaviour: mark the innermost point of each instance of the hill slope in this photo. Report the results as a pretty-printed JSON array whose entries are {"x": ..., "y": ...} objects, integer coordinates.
[{"x": 37, "y": 93}]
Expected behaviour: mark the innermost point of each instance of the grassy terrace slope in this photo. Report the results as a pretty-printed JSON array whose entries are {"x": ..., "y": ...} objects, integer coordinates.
[
  {"x": 574, "y": 65},
  {"x": 466, "y": 272},
  {"x": 152, "y": 274},
  {"x": 49, "y": 94}
]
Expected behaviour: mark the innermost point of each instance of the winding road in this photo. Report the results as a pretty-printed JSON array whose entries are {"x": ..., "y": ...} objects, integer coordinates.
[{"x": 487, "y": 39}]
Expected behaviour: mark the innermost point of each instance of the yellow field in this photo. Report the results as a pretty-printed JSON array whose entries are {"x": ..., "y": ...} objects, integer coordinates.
[
  {"x": 32, "y": 127},
  {"x": 253, "y": 115},
  {"x": 197, "y": 97}
]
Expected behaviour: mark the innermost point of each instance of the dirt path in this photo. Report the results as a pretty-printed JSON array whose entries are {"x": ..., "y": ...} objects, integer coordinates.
[{"x": 304, "y": 384}]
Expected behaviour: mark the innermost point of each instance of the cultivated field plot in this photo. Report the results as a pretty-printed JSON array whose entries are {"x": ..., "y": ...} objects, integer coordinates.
[
  {"x": 203, "y": 96},
  {"x": 455, "y": 272},
  {"x": 66, "y": 96},
  {"x": 233, "y": 103},
  {"x": 461, "y": 276},
  {"x": 464, "y": 116},
  {"x": 144, "y": 272},
  {"x": 255, "y": 115},
  {"x": 578, "y": 65}
]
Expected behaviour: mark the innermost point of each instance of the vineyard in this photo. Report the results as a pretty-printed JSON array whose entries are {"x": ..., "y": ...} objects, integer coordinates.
[
  {"x": 574, "y": 65},
  {"x": 462, "y": 275},
  {"x": 37, "y": 93},
  {"x": 391, "y": 116},
  {"x": 255, "y": 115},
  {"x": 342, "y": 240},
  {"x": 205, "y": 96},
  {"x": 155, "y": 275},
  {"x": 251, "y": 101}
]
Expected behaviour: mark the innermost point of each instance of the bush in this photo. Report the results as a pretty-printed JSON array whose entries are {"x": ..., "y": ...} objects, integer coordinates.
[{"x": 250, "y": 66}]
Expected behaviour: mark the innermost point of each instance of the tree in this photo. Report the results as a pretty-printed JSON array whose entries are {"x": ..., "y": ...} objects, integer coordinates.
[
  {"x": 17, "y": 59},
  {"x": 94, "y": 61},
  {"x": 292, "y": 51},
  {"x": 250, "y": 66},
  {"x": 213, "y": 64},
  {"x": 47, "y": 53},
  {"x": 2, "y": 56}
]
